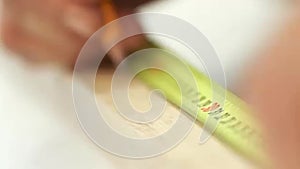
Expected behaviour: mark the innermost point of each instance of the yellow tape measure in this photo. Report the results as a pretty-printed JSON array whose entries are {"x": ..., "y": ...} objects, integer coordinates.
[{"x": 235, "y": 128}]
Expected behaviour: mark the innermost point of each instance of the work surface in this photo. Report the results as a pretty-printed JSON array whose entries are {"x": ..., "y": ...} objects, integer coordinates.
[
  {"x": 45, "y": 135},
  {"x": 188, "y": 154}
]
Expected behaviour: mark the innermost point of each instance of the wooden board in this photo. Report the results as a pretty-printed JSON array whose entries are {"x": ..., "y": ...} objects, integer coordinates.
[{"x": 188, "y": 154}]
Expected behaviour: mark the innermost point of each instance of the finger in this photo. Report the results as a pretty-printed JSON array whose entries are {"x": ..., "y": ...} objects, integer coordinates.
[
  {"x": 47, "y": 18},
  {"x": 82, "y": 20},
  {"x": 35, "y": 49},
  {"x": 36, "y": 21},
  {"x": 273, "y": 89}
]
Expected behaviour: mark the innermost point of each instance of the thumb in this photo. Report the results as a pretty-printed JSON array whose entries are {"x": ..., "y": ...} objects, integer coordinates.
[{"x": 273, "y": 89}]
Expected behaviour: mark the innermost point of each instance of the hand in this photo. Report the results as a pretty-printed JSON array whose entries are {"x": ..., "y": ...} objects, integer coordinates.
[
  {"x": 273, "y": 88},
  {"x": 53, "y": 30}
]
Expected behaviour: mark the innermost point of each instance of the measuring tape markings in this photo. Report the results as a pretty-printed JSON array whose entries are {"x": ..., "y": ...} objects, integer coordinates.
[{"x": 235, "y": 126}]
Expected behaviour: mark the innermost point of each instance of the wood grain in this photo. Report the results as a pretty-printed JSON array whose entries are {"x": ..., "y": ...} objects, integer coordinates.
[{"x": 188, "y": 154}]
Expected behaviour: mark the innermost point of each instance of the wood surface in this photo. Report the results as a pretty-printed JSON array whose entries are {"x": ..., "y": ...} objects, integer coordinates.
[{"x": 188, "y": 154}]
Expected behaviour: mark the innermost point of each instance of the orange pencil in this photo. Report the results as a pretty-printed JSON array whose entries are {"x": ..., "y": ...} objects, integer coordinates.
[{"x": 109, "y": 13}]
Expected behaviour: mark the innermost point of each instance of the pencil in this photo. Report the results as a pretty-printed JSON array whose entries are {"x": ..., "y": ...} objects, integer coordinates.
[{"x": 109, "y": 13}]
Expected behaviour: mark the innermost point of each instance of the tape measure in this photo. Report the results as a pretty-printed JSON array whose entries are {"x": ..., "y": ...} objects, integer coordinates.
[{"x": 235, "y": 128}]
